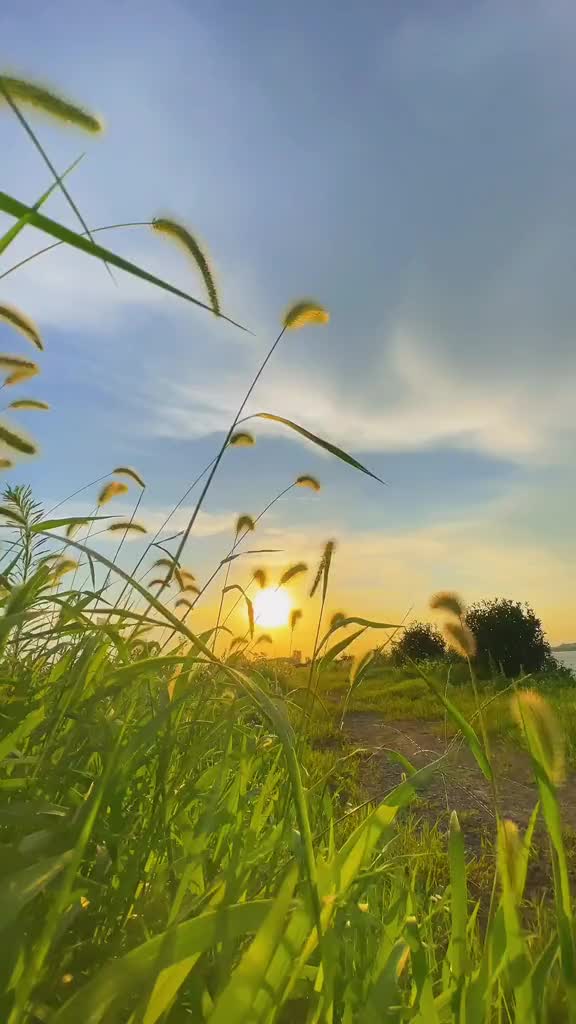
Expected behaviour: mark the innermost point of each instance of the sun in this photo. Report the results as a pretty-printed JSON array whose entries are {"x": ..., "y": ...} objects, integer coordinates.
[{"x": 272, "y": 607}]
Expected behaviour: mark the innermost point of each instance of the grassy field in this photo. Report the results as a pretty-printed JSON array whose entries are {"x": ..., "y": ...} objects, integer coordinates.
[{"x": 188, "y": 836}]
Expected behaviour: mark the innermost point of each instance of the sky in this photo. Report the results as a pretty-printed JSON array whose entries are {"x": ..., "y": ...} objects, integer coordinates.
[{"x": 412, "y": 167}]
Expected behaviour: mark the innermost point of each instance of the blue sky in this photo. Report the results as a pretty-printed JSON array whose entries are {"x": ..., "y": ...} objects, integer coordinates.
[{"x": 412, "y": 166}]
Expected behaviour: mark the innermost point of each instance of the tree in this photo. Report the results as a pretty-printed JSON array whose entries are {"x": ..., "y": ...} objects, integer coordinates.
[
  {"x": 420, "y": 641},
  {"x": 509, "y": 637}
]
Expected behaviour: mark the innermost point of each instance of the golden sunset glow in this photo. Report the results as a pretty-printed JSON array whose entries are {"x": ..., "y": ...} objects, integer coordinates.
[{"x": 272, "y": 607}]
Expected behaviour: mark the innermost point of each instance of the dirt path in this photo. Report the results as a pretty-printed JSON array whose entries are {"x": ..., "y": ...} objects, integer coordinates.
[{"x": 458, "y": 783}]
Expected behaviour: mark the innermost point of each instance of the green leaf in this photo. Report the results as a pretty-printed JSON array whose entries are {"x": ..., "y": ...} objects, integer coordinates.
[
  {"x": 459, "y": 899},
  {"x": 53, "y": 524},
  {"x": 26, "y": 726},
  {"x": 20, "y": 224},
  {"x": 353, "y": 620},
  {"x": 119, "y": 978},
  {"x": 19, "y": 889},
  {"x": 326, "y": 445},
  {"x": 236, "y": 1001},
  {"x": 459, "y": 720},
  {"x": 51, "y": 227}
]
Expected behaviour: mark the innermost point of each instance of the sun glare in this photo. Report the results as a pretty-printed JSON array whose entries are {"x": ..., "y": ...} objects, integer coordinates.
[{"x": 272, "y": 607}]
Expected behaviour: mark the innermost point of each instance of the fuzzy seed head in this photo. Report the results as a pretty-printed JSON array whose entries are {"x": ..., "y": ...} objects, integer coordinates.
[
  {"x": 460, "y": 639},
  {"x": 47, "y": 102},
  {"x": 128, "y": 471},
  {"x": 304, "y": 313},
  {"x": 179, "y": 234},
  {"x": 111, "y": 490},
  {"x": 295, "y": 616},
  {"x": 127, "y": 527},
  {"x": 543, "y": 732},
  {"x": 308, "y": 481},
  {"x": 245, "y": 524},
  {"x": 241, "y": 439},
  {"x": 447, "y": 601},
  {"x": 21, "y": 323},
  {"x": 260, "y": 577}
]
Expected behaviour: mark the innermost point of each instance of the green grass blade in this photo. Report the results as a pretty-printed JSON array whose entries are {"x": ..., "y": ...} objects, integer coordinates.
[
  {"x": 26, "y": 726},
  {"x": 236, "y": 1001},
  {"x": 319, "y": 441},
  {"x": 459, "y": 720},
  {"x": 459, "y": 899},
  {"x": 17, "y": 209},
  {"x": 19, "y": 889},
  {"x": 119, "y": 978},
  {"x": 21, "y": 223}
]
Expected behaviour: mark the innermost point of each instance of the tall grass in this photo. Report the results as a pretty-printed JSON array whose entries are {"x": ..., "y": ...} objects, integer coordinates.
[{"x": 168, "y": 850}]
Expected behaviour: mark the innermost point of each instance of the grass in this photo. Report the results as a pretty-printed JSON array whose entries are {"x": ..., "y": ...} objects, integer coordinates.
[{"x": 184, "y": 835}]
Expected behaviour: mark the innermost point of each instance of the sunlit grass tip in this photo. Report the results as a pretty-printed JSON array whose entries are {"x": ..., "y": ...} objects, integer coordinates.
[
  {"x": 6, "y": 464},
  {"x": 245, "y": 523},
  {"x": 22, "y": 323},
  {"x": 295, "y": 616},
  {"x": 294, "y": 570},
  {"x": 48, "y": 102},
  {"x": 543, "y": 732},
  {"x": 127, "y": 527},
  {"x": 260, "y": 577},
  {"x": 510, "y": 853},
  {"x": 305, "y": 313},
  {"x": 323, "y": 566},
  {"x": 23, "y": 373},
  {"x": 29, "y": 403},
  {"x": 460, "y": 639},
  {"x": 129, "y": 471},
  {"x": 16, "y": 364},
  {"x": 186, "y": 240},
  {"x": 308, "y": 481},
  {"x": 62, "y": 567},
  {"x": 112, "y": 490},
  {"x": 17, "y": 441},
  {"x": 448, "y": 601},
  {"x": 241, "y": 439}
]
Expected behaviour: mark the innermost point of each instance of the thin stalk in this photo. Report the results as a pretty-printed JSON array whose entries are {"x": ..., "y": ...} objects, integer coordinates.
[
  {"x": 212, "y": 473},
  {"x": 38, "y": 146},
  {"x": 92, "y": 231}
]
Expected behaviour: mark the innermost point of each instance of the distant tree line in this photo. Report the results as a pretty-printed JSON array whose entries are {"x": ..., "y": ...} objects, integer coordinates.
[{"x": 510, "y": 640}]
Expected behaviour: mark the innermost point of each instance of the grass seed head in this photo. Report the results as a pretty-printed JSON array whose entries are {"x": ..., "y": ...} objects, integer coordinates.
[
  {"x": 260, "y": 577},
  {"x": 460, "y": 639},
  {"x": 308, "y": 481},
  {"x": 448, "y": 601},
  {"x": 127, "y": 527},
  {"x": 295, "y": 616},
  {"x": 245, "y": 523},
  {"x": 128, "y": 471},
  {"x": 29, "y": 403},
  {"x": 45, "y": 100},
  {"x": 292, "y": 572},
  {"x": 241, "y": 439},
  {"x": 15, "y": 440},
  {"x": 112, "y": 490},
  {"x": 543, "y": 732},
  {"x": 179, "y": 234},
  {"x": 21, "y": 323},
  {"x": 304, "y": 313}
]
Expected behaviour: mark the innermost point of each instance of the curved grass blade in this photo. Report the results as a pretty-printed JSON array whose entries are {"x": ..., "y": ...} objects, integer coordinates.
[
  {"x": 326, "y": 445},
  {"x": 51, "y": 227},
  {"x": 20, "y": 224},
  {"x": 119, "y": 978}
]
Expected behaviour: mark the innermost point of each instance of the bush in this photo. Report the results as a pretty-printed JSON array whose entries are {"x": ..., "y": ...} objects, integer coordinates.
[
  {"x": 420, "y": 641},
  {"x": 509, "y": 637}
]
